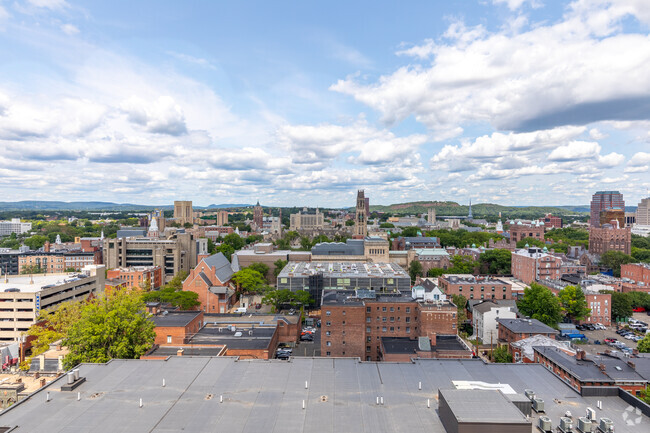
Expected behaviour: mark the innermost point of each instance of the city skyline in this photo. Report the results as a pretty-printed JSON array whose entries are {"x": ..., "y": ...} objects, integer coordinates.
[{"x": 514, "y": 102}]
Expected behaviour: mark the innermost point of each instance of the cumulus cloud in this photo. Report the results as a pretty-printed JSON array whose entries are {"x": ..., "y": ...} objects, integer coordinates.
[
  {"x": 49, "y": 4},
  {"x": 69, "y": 29},
  {"x": 516, "y": 4},
  {"x": 163, "y": 116},
  {"x": 581, "y": 70}
]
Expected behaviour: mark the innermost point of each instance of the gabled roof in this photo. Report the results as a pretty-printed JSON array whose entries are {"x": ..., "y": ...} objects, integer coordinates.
[
  {"x": 221, "y": 264},
  {"x": 488, "y": 304}
]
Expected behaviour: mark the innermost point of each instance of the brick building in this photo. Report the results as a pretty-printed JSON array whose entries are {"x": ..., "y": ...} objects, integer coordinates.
[
  {"x": 416, "y": 242},
  {"x": 403, "y": 349},
  {"x": 521, "y": 231},
  {"x": 551, "y": 221},
  {"x": 637, "y": 273},
  {"x": 472, "y": 287},
  {"x": 535, "y": 264},
  {"x": 608, "y": 238},
  {"x": 433, "y": 258},
  {"x": 600, "y": 305},
  {"x": 174, "y": 328},
  {"x": 210, "y": 279},
  {"x": 137, "y": 276},
  {"x": 510, "y": 330},
  {"x": 582, "y": 371},
  {"x": 354, "y": 321}
]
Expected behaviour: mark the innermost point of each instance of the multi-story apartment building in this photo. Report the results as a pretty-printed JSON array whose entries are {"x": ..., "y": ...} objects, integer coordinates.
[
  {"x": 9, "y": 261},
  {"x": 145, "y": 277},
  {"x": 355, "y": 321},
  {"x": 306, "y": 221},
  {"x": 551, "y": 221},
  {"x": 510, "y": 330},
  {"x": 23, "y": 297},
  {"x": 14, "y": 226},
  {"x": 600, "y": 305},
  {"x": 472, "y": 287},
  {"x": 521, "y": 231},
  {"x": 317, "y": 276},
  {"x": 534, "y": 264},
  {"x": 609, "y": 238},
  {"x": 604, "y": 200},
  {"x": 59, "y": 261},
  {"x": 636, "y": 273},
  {"x": 177, "y": 253}
]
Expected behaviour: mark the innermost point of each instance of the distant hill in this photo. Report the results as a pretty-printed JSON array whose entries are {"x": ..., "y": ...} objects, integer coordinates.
[
  {"x": 33, "y": 205},
  {"x": 478, "y": 210}
]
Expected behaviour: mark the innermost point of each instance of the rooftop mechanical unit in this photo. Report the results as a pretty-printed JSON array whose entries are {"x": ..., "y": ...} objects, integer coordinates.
[
  {"x": 584, "y": 425},
  {"x": 544, "y": 424},
  {"x": 529, "y": 393},
  {"x": 606, "y": 425},
  {"x": 566, "y": 425},
  {"x": 538, "y": 405}
]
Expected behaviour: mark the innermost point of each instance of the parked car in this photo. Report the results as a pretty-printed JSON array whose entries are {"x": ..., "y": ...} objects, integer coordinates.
[
  {"x": 306, "y": 337},
  {"x": 638, "y": 309},
  {"x": 283, "y": 355},
  {"x": 629, "y": 337}
]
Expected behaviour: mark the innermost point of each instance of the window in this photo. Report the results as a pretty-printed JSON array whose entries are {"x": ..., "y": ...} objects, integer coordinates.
[
  {"x": 344, "y": 342},
  {"x": 383, "y": 329},
  {"x": 383, "y": 319},
  {"x": 169, "y": 338},
  {"x": 408, "y": 329},
  {"x": 408, "y": 309},
  {"x": 367, "y": 309},
  {"x": 328, "y": 353},
  {"x": 343, "y": 322},
  {"x": 368, "y": 339},
  {"x": 368, "y": 319},
  {"x": 408, "y": 320},
  {"x": 392, "y": 329},
  {"x": 392, "y": 309},
  {"x": 383, "y": 308},
  {"x": 344, "y": 312},
  {"x": 343, "y": 333},
  {"x": 328, "y": 313},
  {"x": 392, "y": 319},
  {"x": 368, "y": 330},
  {"x": 328, "y": 323},
  {"x": 328, "y": 343},
  {"x": 328, "y": 333}
]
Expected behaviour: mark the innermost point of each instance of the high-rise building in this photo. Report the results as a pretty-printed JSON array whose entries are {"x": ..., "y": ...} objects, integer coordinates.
[
  {"x": 306, "y": 221},
  {"x": 222, "y": 218},
  {"x": 258, "y": 216},
  {"x": 14, "y": 226},
  {"x": 360, "y": 219},
  {"x": 183, "y": 212},
  {"x": 604, "y": 200},
  {"x": 643, "y": 212}
]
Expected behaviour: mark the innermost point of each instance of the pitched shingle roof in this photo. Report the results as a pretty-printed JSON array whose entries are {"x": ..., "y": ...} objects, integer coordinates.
[{"x": 220, "y": 262}]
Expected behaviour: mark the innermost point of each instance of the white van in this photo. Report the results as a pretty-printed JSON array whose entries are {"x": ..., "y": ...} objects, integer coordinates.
[{"x": 240, "y": 310}]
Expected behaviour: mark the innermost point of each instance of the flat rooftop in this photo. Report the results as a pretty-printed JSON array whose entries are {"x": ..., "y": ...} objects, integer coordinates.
[
  {"x": 481, "y": 405},
  {"x": 174, "y": 318},
  {"x": 248, "y": 318},
  {"x": 254, "y": 338},
  {"x": 343, "y": 270},
  {"x": 471, "y": 279},
  {"x": 268, "y": 395},
  {"x": 35, "y": 283},
  {"x": 359, "y": 297}
]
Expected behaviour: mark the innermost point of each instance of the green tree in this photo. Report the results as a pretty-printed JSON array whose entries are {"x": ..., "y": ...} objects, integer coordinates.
[
  {"x": 540, "y": 303},
  {"x": 212, "y": 248},
  {"x": 176, "y": 282},
  {"x": 495, "y": 262},
  {"x": 644, "y": 345},
  {"x": 227, "y": 250},
  {"x": 115, "y": 325},
  {"x": 409, "y": 232},
  {"x": 415, "y": 270},
  {"x": 621, "y": 305},
  {"x": 436, "y": 272},
  {"x": 614, "y": 259},
  {"x": 31, "y": 269},
  {"x": 461, "y": 313},
  {"x": 278, "y": 298},
  {"x": 573, "y": 302},
  {"x": 254, "y": 238},
  {"x": 386, "y": 226},
  {"x": 501, "y": 355},
  {"x": 349, "y": 223},
  {"x": 463, "y": 265},
  {"x": 639, "y": 299},
  {"x": 249, "y": 280},
  {"x": 35, "y": 242},
  {"x": 279, "y": 264},
  {"x": 11, "y": 242},
  {"x": 531, "y": 242},
  {"x": 234, "y": 240},
  {"x": 262, "y": 268}
]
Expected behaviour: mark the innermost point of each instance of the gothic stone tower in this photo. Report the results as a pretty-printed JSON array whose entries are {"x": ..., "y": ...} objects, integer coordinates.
[
  {"x": 360, "y": 223},
  {"x": 258, "y": 216}
]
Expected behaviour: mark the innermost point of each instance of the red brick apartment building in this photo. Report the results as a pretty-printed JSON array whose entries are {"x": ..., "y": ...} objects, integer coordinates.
[
  {"x": 534, "y": 264},
  {"x": 472, "y": 287},
  {"x": 354, "y": 322},
  {"x": 593, "y": 371},
  {"x": 174, "y": 328},
  {"x": 637, "y": 275},
  {"x": 511, "y": 330},
  {"x": 211, "y": 280},
  {"x": 138, "y": 276},
  {"x": 601, "y": 308},
  {"x": 552, "y": 221},
  {"x": 521, "y": 231}
]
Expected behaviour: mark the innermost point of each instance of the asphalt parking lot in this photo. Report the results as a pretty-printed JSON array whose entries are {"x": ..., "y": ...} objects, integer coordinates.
[
  {"x": 308, "y": 348},
  {"x": 610, "y": 332}
]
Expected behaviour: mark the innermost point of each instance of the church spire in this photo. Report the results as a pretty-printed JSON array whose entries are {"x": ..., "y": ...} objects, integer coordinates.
[{"x": 469, "y": 216}]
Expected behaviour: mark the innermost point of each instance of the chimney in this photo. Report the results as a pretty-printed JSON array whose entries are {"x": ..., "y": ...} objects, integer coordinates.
[
  {"x": 631, "y": 364},
  {"x": 179, "y": 352},
  {"x": 43, "y": 383},
  {"x": 432, "y": 338},
  {"x": 602, "y": 368},
  {"x": 46, "y": 247}
]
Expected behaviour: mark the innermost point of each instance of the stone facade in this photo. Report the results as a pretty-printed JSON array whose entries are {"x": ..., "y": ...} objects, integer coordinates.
[{"x": 606, "y": 239}]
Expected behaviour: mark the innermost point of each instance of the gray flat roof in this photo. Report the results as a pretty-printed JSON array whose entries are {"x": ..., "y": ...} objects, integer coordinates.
[
  {"x": 250, "y": 338},
  {"x": 267, "y": 396},
  {"x": 530, "y": 326},
  {"x": 343, "y": 270},
  {"x": 175, "y": 318},
  {"x": 481, "y": 405}
]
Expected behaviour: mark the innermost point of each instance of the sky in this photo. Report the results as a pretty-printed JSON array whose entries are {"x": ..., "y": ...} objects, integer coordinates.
[{"x": 298, "y": 103}]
